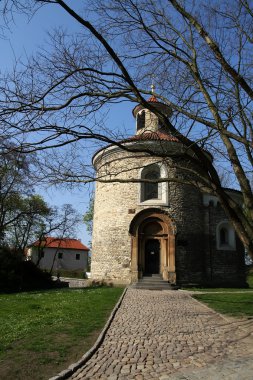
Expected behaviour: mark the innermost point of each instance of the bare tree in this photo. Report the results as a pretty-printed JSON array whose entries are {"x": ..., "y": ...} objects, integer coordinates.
[
  {"x": 57, "y": 225},
  {"x": 61, "y": 223},
  {"x": 201, "y": 56}
]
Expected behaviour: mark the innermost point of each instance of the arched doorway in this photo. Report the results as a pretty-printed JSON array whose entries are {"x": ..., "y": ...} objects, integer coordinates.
[{"x": 153, "y": 245}]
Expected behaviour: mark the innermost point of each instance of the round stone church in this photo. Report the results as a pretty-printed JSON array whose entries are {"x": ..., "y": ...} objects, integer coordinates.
[{"x": 144, "y": 225}]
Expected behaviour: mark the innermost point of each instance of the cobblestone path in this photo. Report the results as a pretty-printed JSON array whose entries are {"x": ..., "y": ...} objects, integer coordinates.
[{"x": 163, "y": 335}]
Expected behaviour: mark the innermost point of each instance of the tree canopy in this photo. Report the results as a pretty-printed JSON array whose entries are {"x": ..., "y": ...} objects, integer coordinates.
[
  {"x": 24, "y": 215},
  {"x": 200, "y": 56}
]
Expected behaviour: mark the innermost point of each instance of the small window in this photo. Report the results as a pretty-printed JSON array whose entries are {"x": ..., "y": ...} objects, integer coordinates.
[
  {"x": 60, "y": 255},
  {"x": 42, "y": 254},
  {"x": 77, "y": 256}
]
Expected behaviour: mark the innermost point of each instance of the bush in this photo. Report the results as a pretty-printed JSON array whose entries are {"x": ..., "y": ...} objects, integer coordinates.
[
  {"x": 69, "y": 273},
  {"x": 10, "y": 270},
  {"x": 18, "y": 275},
  {"x": 34, "y": 278}
]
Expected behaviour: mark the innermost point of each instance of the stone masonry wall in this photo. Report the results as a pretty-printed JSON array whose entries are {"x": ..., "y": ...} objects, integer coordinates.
[
  {"x": 117, "y": 203},
  {"x": 223, "y": 267}
]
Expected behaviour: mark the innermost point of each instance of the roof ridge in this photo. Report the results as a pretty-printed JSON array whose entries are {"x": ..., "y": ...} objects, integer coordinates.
[
  {"x": 62, "y": 243},
  {"x": 153, "y": 135}
]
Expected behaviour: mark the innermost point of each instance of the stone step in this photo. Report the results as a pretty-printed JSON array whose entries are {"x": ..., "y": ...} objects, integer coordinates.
[
  {"x": 153, "y": 275},
  {"x": 150, "y": 279},
  {"x": 154, "y": 282},
  {"x": 152, "y": 286},
  {"x": 146, "y": 283}
]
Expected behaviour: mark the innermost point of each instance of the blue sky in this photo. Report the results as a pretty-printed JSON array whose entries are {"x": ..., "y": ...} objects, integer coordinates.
[{"x": 24, "y": 37}]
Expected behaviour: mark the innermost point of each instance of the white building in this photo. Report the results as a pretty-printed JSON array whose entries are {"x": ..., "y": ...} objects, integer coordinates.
[{"x": 54, "y": 253}]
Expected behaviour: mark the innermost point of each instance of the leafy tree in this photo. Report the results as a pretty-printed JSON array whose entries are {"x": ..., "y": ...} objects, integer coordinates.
[
  {"x": 25, "y": 216},
  {"x": 88, "y": 221},
  {"x": 88, "y": 216},
  {"x": 34, "y": 213},
  {"x": 200, "y": 53},
  {"x": 15, "y": 188}
]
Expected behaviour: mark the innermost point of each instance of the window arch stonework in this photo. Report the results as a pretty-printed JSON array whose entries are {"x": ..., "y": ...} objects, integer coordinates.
[
  {"x": 140, "y": 120},
  {"x": 151, "y": 192},
  {"x": 225, "y": 236}
]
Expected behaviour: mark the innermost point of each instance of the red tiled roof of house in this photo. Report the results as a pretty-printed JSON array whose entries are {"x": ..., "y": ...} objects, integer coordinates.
[
  {"x": 152, "y": 136},
  {"x": 65, "y": 243}
]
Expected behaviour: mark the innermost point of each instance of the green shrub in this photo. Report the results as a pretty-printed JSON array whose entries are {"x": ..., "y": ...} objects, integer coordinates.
[
  {"x": 10, "y": 270},
  {"x": 18, "y": 275}
]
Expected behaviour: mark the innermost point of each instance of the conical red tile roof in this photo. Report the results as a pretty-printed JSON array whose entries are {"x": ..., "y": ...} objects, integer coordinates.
[{"x": 153, "y": 99}]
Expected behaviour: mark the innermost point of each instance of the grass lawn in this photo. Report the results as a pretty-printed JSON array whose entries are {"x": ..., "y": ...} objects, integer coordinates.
[
  {"x": 250, "y": 280},
  {"x": 235, "y": 302},
  {"x": 43, "y": 332}
]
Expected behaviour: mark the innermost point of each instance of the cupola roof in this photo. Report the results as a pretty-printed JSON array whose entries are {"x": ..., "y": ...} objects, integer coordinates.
[
  {"x": 153, "y": 99},
  {"x": 164, "y": 108}
]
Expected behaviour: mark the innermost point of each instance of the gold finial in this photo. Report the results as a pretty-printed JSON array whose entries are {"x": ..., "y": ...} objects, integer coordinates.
[
  {"x": 152, "y": 84},
  {"x": 153, "y": 97}
]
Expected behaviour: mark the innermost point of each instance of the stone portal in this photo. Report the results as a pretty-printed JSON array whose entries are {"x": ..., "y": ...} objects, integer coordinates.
[{"x": 153, "y": 245}]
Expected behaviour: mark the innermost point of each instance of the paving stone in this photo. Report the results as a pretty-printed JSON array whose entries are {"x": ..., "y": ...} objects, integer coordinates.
[
  {"x": 167, "y": 335},
  {"x": 139, "y": 377}
]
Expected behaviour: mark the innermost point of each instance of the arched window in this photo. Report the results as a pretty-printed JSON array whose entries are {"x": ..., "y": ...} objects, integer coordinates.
[
  {"x": 140, "y": 120},
  {"x": 225, "y": 236},
  {"x": 151, "y": 190}
]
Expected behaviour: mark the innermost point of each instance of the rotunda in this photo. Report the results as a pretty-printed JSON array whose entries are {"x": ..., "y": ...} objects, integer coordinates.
[{"x": 149, "y": 220}]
